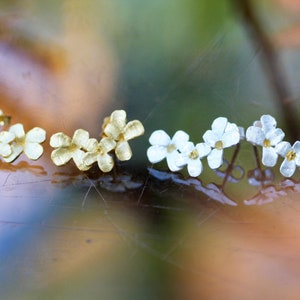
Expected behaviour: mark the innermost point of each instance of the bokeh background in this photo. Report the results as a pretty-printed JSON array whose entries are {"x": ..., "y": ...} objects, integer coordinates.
[{"x": 172, "y": 64}]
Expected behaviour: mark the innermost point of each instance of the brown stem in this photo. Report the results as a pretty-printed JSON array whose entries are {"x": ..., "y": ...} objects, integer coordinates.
[
  {"x": 271, "y": 63},
  {"x": 256, "y": 155},
  {"x": 230, "y": 166}
]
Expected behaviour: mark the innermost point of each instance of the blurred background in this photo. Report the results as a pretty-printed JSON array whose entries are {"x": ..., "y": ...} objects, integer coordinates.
[{"x": 173, "y": 65}]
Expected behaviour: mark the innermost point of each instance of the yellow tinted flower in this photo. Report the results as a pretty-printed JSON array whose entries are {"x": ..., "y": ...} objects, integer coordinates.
[
  {"x": 29, "y": 142},
  {"x": 100, "y": 154},
  {"x": 115, "y": 127},
  {"x": 75, "y": 148}
]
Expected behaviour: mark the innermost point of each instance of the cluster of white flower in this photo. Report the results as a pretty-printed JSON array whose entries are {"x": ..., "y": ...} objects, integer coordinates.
[
  {"x": 81, "y": 148},
  {"x": 264, "y": 133},
  {"x": 85, "y": 151},
  {"x": 14, "y": 141},
  {"x": 180, "y": 152}
]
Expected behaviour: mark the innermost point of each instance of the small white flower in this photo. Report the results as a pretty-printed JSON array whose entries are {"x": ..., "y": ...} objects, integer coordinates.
[
  {"x": 192, "y": 155},
  {"x": 291, "y": 156},
  {"x": 222, "y": 135},
  {"x": 28, "y": 142},
  {"x": 116, "y": 128},
  {"x": 264, "y": 133},
  {"x": 165, "y": 147},
  {"x": 75, "y": 148},
  {"x": 99, "y": 152}
]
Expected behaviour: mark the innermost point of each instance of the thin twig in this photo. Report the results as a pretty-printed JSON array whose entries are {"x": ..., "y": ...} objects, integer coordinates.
[
  {"x": 230, "y": 166},
  {"x": 271, "y": 62}
]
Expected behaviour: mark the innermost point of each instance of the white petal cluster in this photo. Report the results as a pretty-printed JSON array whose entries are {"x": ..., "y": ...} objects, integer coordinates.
[
  {"x": 15, "y": 141},
  {"x": 180, "y": 152},
  {"x": 264, "y": 133},
  {"x": 85, "y": 151},
  {"x": 291, "y": 155},
  {"x": 162, "y": 146},
  {"x": 222, "y": 135}
]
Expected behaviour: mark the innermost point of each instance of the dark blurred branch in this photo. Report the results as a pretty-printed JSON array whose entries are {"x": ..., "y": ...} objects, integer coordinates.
[{"x": 271, "y": 63}]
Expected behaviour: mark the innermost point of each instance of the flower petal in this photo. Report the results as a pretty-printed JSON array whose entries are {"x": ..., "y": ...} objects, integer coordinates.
[
  {"x": 91, "y": 145},
  {"x": 269, "y": 156},
  {"x": 288, "y": 168},
  {"x": 297, "y": 160},
  {"x": 16, "y": 151},
  {"x": 230, "y": 138},
  {"x": 78, "y": 158},
  {"x": 107, "y": 144},
  {"x": 36, "y": 135},
  {"x": 282, "y": 148},
  {"x": 194, "y": 167},
  {"x": 6, "y": 137},
  {"x": 219, "y": 124},
  {"x": 105, "y": 163},
  {"x": 181, "y": 160},
  {"x": 268, "y": 123},
  {"x": 215, "y": 158},
  {"x": 159, "y": 137},
  {"x": 156, "y": 153},
  {"x": 112, "y": 131},
  {"x": 61, "y": 156},
  {"x": 242, "y": 133},
  {"x": 17, "y": 130},
  {"x": 123, "y": 151},
  {"x": 275, "y": 136},
  {"x": 33, "y": 150},
  {"x": 90, "y": 157},
  {"x": 210, "y": 138},
  {"x": 133, "y": 129},
  {"x": 5, "y": 150},
  {"x": 60, "y": 139},
  {"x": 172, "y": 158},
  {"x": 80, "y": 138},
  {"x": 118, "y": 118},
  {"x": 180, "y": 138},
  {"x": 187, "y": 148},
  {"x": 255, "y": 135},
  {"x": 296, "y": 147},
  {"x": 203, "y": 149}
]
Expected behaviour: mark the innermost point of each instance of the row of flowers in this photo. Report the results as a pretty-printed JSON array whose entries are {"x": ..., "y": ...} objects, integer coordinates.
[
  {"x": 180, "y": 152},
  {"x": 84, "y": 151}
]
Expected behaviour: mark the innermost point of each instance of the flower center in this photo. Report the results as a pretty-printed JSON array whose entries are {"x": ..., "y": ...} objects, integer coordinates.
[
  {"x": 171, "y": 148},
  {"x": 219, "y": 145},
  {"x": 266, "y": 143},
  {"x": 291, "y": 155},
  {"x": 194, "y": 154},
  {"x": 73, "y": 147}
]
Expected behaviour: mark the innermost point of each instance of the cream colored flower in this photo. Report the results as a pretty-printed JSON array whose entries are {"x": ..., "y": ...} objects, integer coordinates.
[
  {"x": 29, "y": 142},
  {"x": 6, "y": 138},
  {"x": 75, "y": 148},
  {"x": 100, "y": 154},
  {"x": 115, "y": 127}
]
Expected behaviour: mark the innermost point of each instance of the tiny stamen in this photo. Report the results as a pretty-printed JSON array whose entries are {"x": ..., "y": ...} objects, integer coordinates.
[
  {"x": 194, "y": 154},
  {"x": 219, "y": 145},
  {"x": 171, "y": 148},
  {"x": 267, "y": 143},
  {"x": 291, "y": 155}
]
